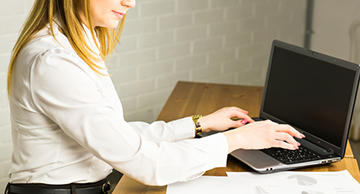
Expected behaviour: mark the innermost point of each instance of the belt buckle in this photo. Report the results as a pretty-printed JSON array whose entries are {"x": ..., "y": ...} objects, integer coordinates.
[{"x": 106, "y": 187}]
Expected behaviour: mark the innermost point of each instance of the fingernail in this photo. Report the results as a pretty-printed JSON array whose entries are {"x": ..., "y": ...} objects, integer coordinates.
[
  {"x": 302, "y": 135},
  {"x": 298, "y": 144},
  {"x": 244, "y": 121},
  {"x": 296, "y": 147}
]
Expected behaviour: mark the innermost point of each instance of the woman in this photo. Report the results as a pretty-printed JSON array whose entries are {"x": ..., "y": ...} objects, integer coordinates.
[{"x": 67, "y": 120}]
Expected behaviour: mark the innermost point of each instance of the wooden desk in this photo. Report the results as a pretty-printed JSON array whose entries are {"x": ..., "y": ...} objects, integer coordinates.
[{"x": 190, "y": 98}]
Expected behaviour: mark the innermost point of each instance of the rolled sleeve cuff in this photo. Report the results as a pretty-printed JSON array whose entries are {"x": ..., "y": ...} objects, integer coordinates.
[
  {"x": 219, "y": 150},
  {"x": 183, "y": 128},
  {"x": 217, "y": 155}
]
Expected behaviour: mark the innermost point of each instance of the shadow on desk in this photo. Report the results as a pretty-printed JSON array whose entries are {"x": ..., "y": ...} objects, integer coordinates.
[
  {"x": 355, "y": 146},
  {"x": 114, "y": 178}
]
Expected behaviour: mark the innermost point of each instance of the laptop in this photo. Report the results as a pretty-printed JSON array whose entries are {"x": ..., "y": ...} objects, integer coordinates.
[{"x": 315, "y": 94}]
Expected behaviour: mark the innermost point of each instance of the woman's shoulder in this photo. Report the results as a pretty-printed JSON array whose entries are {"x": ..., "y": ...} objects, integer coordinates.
[
  {"x": 46, "y": 45},
  {"x": 44, "y": 41}
]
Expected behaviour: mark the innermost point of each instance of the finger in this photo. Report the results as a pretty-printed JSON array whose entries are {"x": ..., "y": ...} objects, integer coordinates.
[
  {"x": 238, "y": 109},
  {"x": 241, "y": 122},
  {"x": 287, "y": 138},
  {"x": 241, "y": 115},
  {"x": 290, "y": 130},
  {"x": 284, "y": 145},
  {"x": 287, "y": 128}
]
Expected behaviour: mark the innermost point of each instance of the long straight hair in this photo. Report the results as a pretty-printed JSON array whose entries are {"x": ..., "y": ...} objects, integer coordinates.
[{"x": 44, "y": 12}]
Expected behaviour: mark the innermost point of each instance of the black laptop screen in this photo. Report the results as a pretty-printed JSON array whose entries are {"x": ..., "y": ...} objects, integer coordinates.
[{"x": 309, "y": 93}]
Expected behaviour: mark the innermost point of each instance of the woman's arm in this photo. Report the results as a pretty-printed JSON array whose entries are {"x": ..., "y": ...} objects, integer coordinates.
[{"x": 69, "y": 93}]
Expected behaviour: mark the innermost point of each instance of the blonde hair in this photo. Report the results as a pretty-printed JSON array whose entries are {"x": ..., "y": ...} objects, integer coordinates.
[{"x": 65, "y": 11}]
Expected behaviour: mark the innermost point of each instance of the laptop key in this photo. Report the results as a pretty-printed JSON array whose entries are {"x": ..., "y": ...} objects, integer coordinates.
[{"x": 291, "y": 156}]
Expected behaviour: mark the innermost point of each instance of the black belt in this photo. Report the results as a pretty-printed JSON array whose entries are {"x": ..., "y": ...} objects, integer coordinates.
[{"x": 100, "y": 187}]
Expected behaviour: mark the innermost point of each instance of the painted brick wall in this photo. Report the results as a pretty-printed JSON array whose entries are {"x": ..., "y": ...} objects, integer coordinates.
[
  {"x": 12, "y": 15},
  {"x": 169, "y": 40},
  {"x": 204, "y": 40}
]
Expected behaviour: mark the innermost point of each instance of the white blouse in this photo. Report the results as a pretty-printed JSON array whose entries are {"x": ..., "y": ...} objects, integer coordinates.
[{"x": 68, "y": 125}]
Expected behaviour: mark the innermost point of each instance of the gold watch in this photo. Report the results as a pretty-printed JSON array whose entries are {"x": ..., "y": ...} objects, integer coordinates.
[{"x": 198, "y": 128}]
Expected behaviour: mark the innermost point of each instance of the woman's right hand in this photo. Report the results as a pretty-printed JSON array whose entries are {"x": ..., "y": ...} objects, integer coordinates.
[{"x": 263, "y": 134}]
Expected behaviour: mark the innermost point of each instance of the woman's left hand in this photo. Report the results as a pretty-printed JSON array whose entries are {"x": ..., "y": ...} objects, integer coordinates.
[{"x": 221, "y": 119}]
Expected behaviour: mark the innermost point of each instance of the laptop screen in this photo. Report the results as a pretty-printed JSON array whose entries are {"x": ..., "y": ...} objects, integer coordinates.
[{"x": 311, "y": 94}]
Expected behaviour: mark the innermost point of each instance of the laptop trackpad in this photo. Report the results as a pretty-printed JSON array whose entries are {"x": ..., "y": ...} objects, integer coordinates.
[{"x": 255, "y": 158}]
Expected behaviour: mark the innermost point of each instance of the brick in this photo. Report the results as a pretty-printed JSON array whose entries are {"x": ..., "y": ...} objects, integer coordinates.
[
  {"x": 137, "y": 57},
  {"x": 223, "y": 55},
  {"x": 4, "y": 170},
  {"x": 247, "y": 50},
  {"x": 123, "y": 75},
  {"x": 249, "y": 77},
  {"x": 293, "y": 6},
  {"x": 127, "y": 43},
  {"x": 267, "y": 8},
  {"x": 209, "y": 44},
  {"x": 4, "y": 62},
  {"x": 13, "y": 7},
  {"x": 152, "y": 9},
  {"x": 210, "y": 16},
  {"x": 294, "y": 31},
  {"x": 155, "y": 97},
  {"x": 236, "y": 13},
  {"x": 7, "y": 43},
  {"x": 206, "y": 72},
  {"x": 4, "y": 102},
  {"x": 260, "y": 61},
  {"x": 189, "y": 62},
  {"x": 252, "y": 23},
  {"x": 112, "y": 61},
  {"x": 136, "y": 88},
  {"x": 129, "y": 104},
  {"x": 222, "y": 3},
  {"x": 174, "y": 51},
  {"x": 28, "y": 5},
  {"x": 156, "y": 39},
  {"x": 262, "y": 35},
  {"x": 253, "y": 2},
  {"x": 175, "y": 21},
  {"x": 190, "y": 33},
  {"x": 156, "y": 69},
  {"x": 279, "y": 21},
  {"x": 170, "y": 80},
  {"x": 238, "y": 39},
  {"x": 6, "y": 151},
  {"x": 5, "y": 117},
  {"x": 12, "y": 23},
  {"x": 6, "y": 134},
  {"x": 236, "y": 66},
  {"x": 224, "y": 28},
  {"x": 133, "y": 14},
  {"x": 3, "y": 79},
  {"x": 139, "y": 26},
  {"x": 191, "y": 5}
]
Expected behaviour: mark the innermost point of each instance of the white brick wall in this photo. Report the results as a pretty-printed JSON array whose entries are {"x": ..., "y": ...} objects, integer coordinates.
[
  {"x": 12, "y": 15},
  {"x": 222, "y": 41},
  {"x": 204, "y": 40}
]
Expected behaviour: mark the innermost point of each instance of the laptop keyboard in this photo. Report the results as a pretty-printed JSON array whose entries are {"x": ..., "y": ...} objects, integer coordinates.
[{"x": 292, "y": 156}]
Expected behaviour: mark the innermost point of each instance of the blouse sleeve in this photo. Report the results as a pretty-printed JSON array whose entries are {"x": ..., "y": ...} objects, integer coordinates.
[
  {"x": 158, "y": 131},
  {"x": 66, "y": 90}
]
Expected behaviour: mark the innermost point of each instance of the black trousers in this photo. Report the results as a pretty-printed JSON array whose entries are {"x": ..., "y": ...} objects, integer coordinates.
[{"x": 100, "y": 187}]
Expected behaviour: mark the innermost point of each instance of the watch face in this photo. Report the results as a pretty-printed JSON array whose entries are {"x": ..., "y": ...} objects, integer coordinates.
[{"x": 196, "y": 117}]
